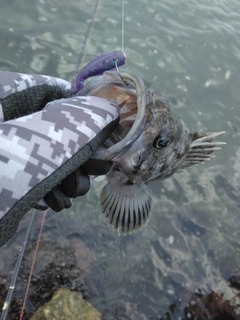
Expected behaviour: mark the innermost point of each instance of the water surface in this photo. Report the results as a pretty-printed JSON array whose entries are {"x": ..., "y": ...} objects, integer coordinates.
[{"x": 189, "y": 51}]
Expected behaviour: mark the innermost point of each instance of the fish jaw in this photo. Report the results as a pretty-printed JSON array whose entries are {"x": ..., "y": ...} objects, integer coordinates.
[
  {"x": 130, "y": 162},
  {"x": 109, "y": 86},
  {"x": 130, "y": 94}
]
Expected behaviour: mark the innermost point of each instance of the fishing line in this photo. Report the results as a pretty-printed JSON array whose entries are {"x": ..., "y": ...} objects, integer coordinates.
[
  {"x": 11, "y": 288},
  {"x": 123, "y": 17},
  {"x": 33, "y": 263}
]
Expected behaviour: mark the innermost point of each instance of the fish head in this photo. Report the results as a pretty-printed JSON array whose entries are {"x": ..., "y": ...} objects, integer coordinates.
[{"x": 160, "y": 148}]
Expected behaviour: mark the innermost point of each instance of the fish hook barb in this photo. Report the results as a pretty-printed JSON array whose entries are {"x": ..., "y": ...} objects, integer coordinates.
[{"x": 119, "y": 74}]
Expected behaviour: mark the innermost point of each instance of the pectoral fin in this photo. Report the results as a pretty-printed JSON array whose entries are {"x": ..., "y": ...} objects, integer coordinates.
[{"x": 127, "y": 206}]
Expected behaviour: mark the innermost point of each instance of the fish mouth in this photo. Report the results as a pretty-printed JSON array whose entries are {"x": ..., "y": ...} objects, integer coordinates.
[{"x": 132, "y": 118}]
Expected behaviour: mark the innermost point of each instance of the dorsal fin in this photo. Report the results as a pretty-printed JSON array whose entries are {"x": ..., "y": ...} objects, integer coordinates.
[{"x": 201, "y": 148}]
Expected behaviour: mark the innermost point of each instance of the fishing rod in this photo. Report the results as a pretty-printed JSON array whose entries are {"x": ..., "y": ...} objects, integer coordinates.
[
  {"x": 82, "y": 53},
  {"x": 11, "y": 288},
  {"x": 33, "y": 263},
  {"x": 7, "y": 303}
]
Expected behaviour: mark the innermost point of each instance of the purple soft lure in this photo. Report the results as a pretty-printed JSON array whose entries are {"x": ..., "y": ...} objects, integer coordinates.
[{"x": 97, "y": 66}]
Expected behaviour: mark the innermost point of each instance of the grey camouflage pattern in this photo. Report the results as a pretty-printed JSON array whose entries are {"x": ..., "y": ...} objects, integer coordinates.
[
  {"x": 11, "y": 82},
  {"x": 34, "y": 146}
]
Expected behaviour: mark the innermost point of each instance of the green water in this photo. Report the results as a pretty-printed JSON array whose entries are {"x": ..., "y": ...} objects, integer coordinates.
[{"x": 189, "y": 51}]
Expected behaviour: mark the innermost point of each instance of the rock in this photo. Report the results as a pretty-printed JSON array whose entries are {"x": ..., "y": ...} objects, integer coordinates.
[{"x": 67, "y": 305}]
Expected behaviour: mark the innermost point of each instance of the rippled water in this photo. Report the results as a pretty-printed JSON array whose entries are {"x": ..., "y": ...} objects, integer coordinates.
[{"x": 189, "y": 51}]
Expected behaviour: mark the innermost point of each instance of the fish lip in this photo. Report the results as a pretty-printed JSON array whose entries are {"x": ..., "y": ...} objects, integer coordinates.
[
  {"x": 124, "y": 151},
  {"x": 139, "y": 123},
  {"x": 128, "y": 171}
]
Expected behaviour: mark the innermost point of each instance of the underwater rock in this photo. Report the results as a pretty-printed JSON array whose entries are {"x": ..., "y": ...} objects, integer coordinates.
[
  {"x": 209, "y": 306},
  {"x": 67, "y": 305}
]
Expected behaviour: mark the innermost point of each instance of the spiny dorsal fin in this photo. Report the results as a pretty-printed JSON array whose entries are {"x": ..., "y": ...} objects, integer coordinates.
[{"x": 201, "y": 148}]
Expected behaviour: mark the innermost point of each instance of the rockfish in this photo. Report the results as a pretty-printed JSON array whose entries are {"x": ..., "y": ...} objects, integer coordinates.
[{"x": 151, "y": 142}]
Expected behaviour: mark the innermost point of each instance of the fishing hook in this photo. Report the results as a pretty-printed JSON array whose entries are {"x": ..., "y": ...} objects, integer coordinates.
[{"x": 119, "y": 74}]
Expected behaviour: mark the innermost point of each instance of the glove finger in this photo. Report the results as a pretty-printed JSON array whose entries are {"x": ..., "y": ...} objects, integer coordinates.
[
  {"x": 97, "y": 167},
  {"x": 57, "y": 200},
  {"x": 76, "y": 184}
]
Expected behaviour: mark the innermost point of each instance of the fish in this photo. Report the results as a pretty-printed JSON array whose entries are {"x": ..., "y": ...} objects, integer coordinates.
[{"x": 150, "y": 143}]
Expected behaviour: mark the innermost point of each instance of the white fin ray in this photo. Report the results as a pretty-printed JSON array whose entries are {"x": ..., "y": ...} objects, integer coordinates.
[
  {"x": 109, "y": 200},
  {"x": 123, "y": 224},
  {"x": 115, "y": 209},
  {"x": 201, "y": 148},
  {"x": 204, "y": 144},
  {"x": 126, "y": 206},
  {"x": 131, "y": 209}
]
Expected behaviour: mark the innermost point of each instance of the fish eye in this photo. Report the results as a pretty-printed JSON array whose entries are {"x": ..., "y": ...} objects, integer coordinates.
[{"x": 163, "y": 139}]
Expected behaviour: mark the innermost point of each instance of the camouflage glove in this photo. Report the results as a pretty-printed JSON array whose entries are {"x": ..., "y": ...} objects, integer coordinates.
[{"x": 47, "y": 137}]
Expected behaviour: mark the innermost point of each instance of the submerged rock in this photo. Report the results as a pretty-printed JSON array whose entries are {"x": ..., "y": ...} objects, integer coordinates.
[{"x": 67, "y": 305}]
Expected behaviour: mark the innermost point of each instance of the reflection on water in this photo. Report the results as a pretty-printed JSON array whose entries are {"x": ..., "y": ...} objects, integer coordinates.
[{"x": 189, "y": 51}]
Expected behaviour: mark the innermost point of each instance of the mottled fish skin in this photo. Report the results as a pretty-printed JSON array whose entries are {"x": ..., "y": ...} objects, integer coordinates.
[{"x": 154, "y": 145}]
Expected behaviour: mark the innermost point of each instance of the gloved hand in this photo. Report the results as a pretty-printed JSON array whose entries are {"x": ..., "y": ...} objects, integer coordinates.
[{"x": 47, "y": 137}]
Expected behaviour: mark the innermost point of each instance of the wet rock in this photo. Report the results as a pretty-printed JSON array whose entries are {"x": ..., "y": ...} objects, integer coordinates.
[
  {"x": 67, "y": 305},
  {"x": 210, "y": 306}
]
